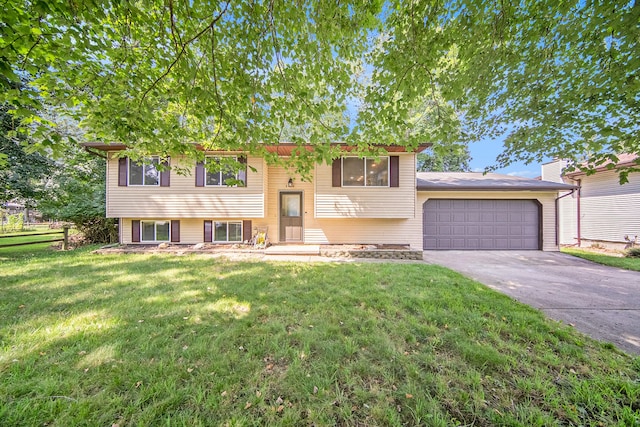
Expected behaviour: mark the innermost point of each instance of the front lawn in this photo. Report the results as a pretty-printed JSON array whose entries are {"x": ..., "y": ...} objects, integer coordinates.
[
  {"x": 600, "y": 258},
  {"x": 152, "y": 339}
]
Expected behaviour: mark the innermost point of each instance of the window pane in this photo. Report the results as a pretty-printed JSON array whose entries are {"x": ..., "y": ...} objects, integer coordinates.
[
  {"x": 162, "y": 231},
  {"x": 352, "y": 171},
  {"x": 213, "y": 178},
  {"x": 151, "y": 174},
  {"x": 290, "y": 205},
  {"x": 148, "y": 230},
  {"x": 226, "y": 176},
  {"x": 235, "y": 232},
  {"x": 220, "y": 232},
  {"x": 135, "y": 173},
  {"x": 378, "y": 172}
]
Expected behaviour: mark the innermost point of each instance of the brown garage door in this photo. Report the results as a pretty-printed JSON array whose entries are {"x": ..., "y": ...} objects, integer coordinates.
[{"x": 481, "y": 224}]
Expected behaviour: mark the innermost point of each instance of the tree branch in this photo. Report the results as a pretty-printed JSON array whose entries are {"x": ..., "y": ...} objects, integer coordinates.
[{"x": 182, "y": 51}]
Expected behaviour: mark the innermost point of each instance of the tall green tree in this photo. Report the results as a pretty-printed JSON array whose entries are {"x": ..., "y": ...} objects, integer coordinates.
[
  {"x": 24, "y": 175},
  {"x": 453, "y": 159},
  {"x": 77, "y": 195},
  {"x": 553, "y": 77}
]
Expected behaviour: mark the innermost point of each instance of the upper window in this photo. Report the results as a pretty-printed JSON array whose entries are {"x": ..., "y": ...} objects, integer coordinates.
[
  {"x": 223, "y": 175},
  {"x": 144, "y": 173},
  {"x": 366, "y": 172}
]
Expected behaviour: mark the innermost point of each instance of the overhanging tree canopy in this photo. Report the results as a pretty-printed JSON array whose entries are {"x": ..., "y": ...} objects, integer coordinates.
[{"x": 557, "y": 78}]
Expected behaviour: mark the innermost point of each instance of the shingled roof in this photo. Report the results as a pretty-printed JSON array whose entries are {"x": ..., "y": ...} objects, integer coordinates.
[{"x": 460, "y": 181}]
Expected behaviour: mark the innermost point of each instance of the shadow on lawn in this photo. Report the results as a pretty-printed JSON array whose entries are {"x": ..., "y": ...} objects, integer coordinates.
[{"x": 135, "y": 339}]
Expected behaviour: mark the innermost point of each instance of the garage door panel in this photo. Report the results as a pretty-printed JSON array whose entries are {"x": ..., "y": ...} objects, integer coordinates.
[
  {"x": 458, "y": 216},
  {"x": 473, "y": 230},
  {"x": 481, "y": 224},
  {"x": 472, "y": 216}
]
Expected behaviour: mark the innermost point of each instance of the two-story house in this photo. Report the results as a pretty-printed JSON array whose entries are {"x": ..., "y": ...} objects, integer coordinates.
[{"x": 351, "y": 201}]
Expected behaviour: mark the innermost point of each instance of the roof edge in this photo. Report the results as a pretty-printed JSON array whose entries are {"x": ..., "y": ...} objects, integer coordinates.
[{"x": 282, "y": 149}]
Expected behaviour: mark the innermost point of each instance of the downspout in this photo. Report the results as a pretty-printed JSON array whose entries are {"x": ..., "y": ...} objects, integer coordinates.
[
  {"x": 579, "y": 182},
  {"x": 558, "y": 215}
]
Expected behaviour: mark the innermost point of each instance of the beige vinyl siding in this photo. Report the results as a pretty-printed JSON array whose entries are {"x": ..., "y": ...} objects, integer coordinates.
[
  {"x": 365, "y": 231},
  {"x": 608, "y": 210},
  {"x": 182, "y": 199},
  {"x": 546, "y": 199},
  {"x": 367, "y": 202},
  {"x": 338, "y": 230},
  {"x": 191, "y": 230}
]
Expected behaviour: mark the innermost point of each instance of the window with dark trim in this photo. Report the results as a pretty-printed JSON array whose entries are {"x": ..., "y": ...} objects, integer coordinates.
[
  {"x": 230, "y": 231},
  {"x": 393, "y": 170},
  {"x": 365, "y": 172},
  {"x": 144, "y": 173},
  {"x": 227, "y": 231},
  {"x": 155, "y": 231},
  {"x": 223, "y": 174}
]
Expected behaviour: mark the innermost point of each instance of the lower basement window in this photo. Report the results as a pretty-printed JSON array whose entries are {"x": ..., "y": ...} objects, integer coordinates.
[
  {"x": 227, "y": 231},
  {"x": 154, "y": 231}
]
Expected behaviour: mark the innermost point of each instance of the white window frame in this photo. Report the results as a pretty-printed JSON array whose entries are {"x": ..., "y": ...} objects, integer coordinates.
[
  {"x": 206, "y": 172},
  {"x": 155, "y": 229},
  {"x": 213, "y": 231},
  {"x": 144, "y": 168},
  {"x": 364, "y": 159}
]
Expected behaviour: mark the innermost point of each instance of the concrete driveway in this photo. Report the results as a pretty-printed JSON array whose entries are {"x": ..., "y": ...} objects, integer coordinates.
[{"x": 602, "y": 302}]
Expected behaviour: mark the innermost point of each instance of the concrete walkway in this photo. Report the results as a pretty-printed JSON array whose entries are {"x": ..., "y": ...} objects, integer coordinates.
[{"x": 602, "y": 302}]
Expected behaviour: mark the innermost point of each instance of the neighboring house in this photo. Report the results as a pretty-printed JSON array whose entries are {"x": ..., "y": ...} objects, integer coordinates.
[
  {"x": 351, "y": 201},
  {"x": 603, "y": 211}
]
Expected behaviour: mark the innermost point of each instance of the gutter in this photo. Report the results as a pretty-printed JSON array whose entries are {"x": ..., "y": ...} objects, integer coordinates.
[
  {"x": 579, "y": 181},
  {"x": 94, "y": 153}
]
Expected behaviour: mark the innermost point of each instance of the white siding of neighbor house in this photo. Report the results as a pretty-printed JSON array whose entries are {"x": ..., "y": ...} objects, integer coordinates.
[
  {"x": 552, "y": 171},
  {"x": 567, "y": 217},
  {"x": 182, "y": 199},
  {"x": 546, "y": 199},
  {"x": 608, "y": 210},
  {"x": 367, "y": 202}
]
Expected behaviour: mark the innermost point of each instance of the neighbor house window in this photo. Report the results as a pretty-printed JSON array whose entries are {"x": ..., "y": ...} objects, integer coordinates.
[
  {"x": 145, "y": 173},
  {"x": 154, "y": 231},
  {"x": 366, "y": 172},
  {"x": 223, "y": 175},
  {"x": 227, "y": 231}
]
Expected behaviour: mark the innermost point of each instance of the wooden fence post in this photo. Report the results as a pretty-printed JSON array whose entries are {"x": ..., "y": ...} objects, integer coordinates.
[{"x": 65, "y": 242}]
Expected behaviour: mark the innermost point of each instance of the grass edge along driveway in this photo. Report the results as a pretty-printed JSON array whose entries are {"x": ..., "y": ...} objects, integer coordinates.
[
  {"x": 600, "y": 258},
  {"x": 149, "y": 339}
]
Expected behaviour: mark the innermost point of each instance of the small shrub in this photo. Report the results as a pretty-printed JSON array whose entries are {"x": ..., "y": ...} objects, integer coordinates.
[
  {"x": 632, "y": 253},
  {"x": 15, "y": 222}
]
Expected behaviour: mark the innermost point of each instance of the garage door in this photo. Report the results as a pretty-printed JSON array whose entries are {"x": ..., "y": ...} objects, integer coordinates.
[{"x": 481, "y": 224}]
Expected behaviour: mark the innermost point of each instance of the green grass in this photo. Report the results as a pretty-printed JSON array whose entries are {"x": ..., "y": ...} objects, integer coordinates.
[
  {"x": 28, "y": 250},
  {"x": 167, "y": 340},
  {"x": 613, "y": 261}
]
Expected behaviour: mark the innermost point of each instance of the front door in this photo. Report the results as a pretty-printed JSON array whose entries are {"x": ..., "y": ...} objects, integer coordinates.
[{"x": 290, "y": 217}]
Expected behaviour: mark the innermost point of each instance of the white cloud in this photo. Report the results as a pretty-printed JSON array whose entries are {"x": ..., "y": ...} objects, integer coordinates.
[{"x": 525, "y": 173}]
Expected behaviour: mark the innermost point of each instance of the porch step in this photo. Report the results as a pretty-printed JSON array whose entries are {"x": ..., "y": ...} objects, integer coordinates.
[{"x": 293, "y": 250}]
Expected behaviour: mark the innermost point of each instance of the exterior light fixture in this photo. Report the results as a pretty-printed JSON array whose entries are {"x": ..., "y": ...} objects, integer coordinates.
[{"x": 290, "y": 183}]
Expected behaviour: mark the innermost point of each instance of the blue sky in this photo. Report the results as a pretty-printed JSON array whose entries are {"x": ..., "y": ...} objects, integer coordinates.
[{"x": 484, "y": 154}]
